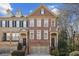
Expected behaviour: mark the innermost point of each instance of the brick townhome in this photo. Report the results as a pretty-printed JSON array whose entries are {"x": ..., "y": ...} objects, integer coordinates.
[{"x": 38, "y": 30}]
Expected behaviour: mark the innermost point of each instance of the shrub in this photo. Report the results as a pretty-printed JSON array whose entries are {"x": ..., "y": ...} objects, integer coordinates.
[
  {"x": 74, "y": 53},
  {"x": 18, "y": 53},
  {"x": 63, "y": 52},
  {"x": 19, "y": 46},
  {"x": 54, "y": 52}
]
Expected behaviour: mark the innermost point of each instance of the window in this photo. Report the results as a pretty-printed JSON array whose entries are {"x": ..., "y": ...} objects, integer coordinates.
[
  {"x": 10, "y": 23},
  {"x": 17, "y": 23},
  {"x": 14, "y": 23},
  {"x": 15, "y": 36},
  {"x": 38, "y": 34},
  {"x": 31, "y": 23},
  {"x": 6, "y": 23},
  {"x": 27, "y": 23},
  {"x": 3, "y": 23},
  {"x": 45, "y": 34},
  {"x": 31, "y": 34},
  {"x": 21, "y": 23},
  {"x": 8, "y": 36},
  {"x": 24, "y": 24},
  {"x": 45, "y": 23},
  {"x": 38, "y": 23},
  {"x": 42, "y": 11},
  {"x": 4, "y": 36},
  {"x": 53, "y": 23}
]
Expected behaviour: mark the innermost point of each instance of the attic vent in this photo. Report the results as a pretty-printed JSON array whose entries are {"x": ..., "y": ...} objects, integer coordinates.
[{"x": 42, "y": 11}]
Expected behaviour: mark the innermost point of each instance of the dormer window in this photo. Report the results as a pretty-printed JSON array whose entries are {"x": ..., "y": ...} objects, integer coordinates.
[{"x": 42, "y": 11}]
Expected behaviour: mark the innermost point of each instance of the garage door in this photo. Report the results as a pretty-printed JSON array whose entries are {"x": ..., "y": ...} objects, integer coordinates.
[{"x": 40, "y": 50}]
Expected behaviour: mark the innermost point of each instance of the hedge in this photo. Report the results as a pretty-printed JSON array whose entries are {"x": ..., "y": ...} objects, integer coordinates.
[
  {"x": 18, "y": 53},
  {"x": 74, "y": 53},
  {"x": 54, "y": 52}
]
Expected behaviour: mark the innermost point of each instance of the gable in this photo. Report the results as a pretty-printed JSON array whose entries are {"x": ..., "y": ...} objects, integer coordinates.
[{"x": 46, "y": 12}]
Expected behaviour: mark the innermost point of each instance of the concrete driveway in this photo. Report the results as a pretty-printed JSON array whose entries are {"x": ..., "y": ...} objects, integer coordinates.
[{"x": 39, "y": 54}]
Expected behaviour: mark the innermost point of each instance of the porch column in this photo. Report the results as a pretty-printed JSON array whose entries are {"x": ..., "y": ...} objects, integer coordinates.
[{"x": 56, "y": 41}]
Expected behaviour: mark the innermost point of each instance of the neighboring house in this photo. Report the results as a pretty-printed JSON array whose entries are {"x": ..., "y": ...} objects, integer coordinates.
[{"x": 38, "y": 30}]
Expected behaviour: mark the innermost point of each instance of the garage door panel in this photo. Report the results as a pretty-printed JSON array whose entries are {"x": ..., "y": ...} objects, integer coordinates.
[{"x": 39, "y": 49}]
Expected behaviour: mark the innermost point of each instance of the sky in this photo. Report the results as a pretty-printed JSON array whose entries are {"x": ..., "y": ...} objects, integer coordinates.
[{"x": 26, "y": 8}]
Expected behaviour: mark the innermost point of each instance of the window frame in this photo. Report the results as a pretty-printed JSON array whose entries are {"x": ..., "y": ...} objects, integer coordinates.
[
  {"x": 46, "y": 22},
  {"x": 31, "y": 23},
  {"x": 38, "y": 23},
  {"x": 17, "y": 23},
  {"x": 10, "y": 24},
  {"x": 3, "y": 23},
  {"x": 31, "y": 34},
  {"x": 38, "y": 36},
  {"x": 53, "y": 23},
  {"x": 45, "y": 36},
  {"x": 42, "y": 11},
  {"x": 24, "y": 23},
  {"x": 0, "y": 23}
]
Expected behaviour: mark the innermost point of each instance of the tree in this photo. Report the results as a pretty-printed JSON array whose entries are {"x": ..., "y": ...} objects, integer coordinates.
[
  {"x": 69, "y": 14},
  {"x": 62, "y": 43}
]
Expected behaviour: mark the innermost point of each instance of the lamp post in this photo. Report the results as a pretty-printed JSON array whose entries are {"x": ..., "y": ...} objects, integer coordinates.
[{"x": 73, "y": 39}]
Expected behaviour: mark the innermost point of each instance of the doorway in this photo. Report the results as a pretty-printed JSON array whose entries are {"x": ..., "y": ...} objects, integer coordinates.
[
  {"x": 24, "y": 41},
  {"x": 53, "y": 40},
  {"x": 52, "y": 43}
]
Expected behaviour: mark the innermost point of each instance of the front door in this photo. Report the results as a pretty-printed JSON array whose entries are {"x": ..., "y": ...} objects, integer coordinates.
[
  {"x": 24, "y": 41},
  {"x": 52, "y": 43}
]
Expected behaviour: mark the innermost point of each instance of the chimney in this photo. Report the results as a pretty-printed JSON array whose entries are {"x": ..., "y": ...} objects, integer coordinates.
[
  {"x": 18, "y": 13},
  {"x": 9, "y": 13}
]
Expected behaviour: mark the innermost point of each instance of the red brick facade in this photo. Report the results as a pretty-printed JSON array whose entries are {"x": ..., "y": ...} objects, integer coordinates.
[{"x": 36, "y": 16}]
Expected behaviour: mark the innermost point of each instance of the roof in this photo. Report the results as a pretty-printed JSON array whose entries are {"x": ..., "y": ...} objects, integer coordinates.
[{"x": 37, "y": 12}]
